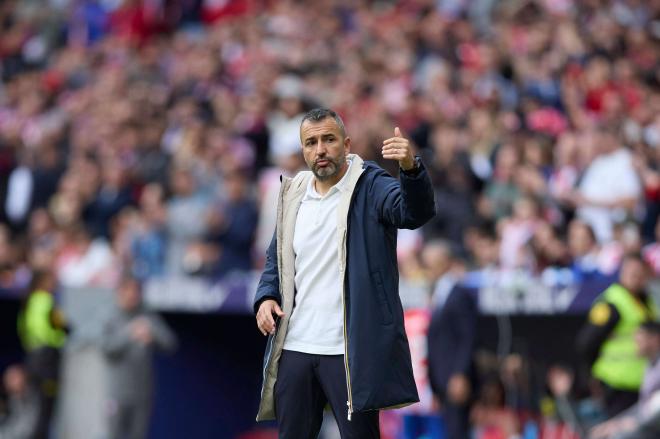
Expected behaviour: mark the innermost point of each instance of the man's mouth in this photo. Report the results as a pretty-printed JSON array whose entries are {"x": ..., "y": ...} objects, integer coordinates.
[{"x": 322, "y": 163}]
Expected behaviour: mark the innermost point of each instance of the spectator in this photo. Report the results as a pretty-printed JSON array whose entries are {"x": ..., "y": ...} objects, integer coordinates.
[
  {"x": 651, "y": 252},
  {"x": 440, "y": 270},
  {"x": 490, "y": 416},
  {"x": 186, "y": 203},
  {"x": 501, "y": 192},
  {"x": 152, "y": 163},
  {"x": 515, "y": 375},
  {"x": 43, "y": 241},
  {"x": 641, "y": 420},
  {"x": 84, "y": 262},
  {"x": 516, "y": 233},
  {"x": 288, "y": 164},
  {"x": 284, "y": 121},
  {"x": 548, "y": 248},
  {"x": 607, "y": 340},
  {"x": 10, "y": 264},
  {"x": 649, "y": 174},
  {"x": 148, "y": 243},
  {"x": 46, "y": 174},
  {"x": 20, "y": 189},
  {"x": 21, "y": 423},
  {"x": 113, "y": 195},
  {"x": 232, "y": 227},
  {"x": 132, "y": 336},
  {"x": 610, "y": 188},
  {"x": 42, "y": 331},
  {"x": 455, "y": 187},
  {"x": 579, "y": 415},
  {"x": 584, "y": 250}
]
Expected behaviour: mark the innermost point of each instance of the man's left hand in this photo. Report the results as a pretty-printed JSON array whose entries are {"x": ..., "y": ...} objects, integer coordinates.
[
  {"x": 398, "y": 148},
  {"x": 141, "y": 330}
]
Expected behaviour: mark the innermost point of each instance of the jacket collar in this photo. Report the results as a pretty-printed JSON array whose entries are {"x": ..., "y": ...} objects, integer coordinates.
[{"x": 354, "y": 172}]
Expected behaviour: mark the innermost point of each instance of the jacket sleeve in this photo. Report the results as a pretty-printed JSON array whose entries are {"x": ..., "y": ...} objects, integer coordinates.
[
  {"x": 164, "y": 338},
  {"x": 405, "y": 204},
  {"x": 594, "y": 333},
  {"x": 269, "y": 284},
  {"x": 116, "y": 340},
  {"x": 648, "y": 424}
]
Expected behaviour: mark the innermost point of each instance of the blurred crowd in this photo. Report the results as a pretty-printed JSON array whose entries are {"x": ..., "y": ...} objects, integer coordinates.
[
  {"x": 151, "y": 134},
  {"x": 146, "y": 137}
]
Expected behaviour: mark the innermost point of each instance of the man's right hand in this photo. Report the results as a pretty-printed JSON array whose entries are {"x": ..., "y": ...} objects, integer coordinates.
[
  {"x": 458, "y": 389},
  {"x": 603, "y": 430},
  {"x": 265, "y": 320}
]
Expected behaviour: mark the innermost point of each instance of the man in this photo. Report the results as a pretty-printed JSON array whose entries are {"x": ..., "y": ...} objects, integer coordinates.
[
  {"x": 232, "y": 226},
  {"x": 42, "y": 328},
  {"x": 609, "y": 188},
  {"x": 331, "y": 281},
  {"x": 451, "y": 342},
  {"x": 607, "y": 340},
  {"x": 24, "y": 406},
  {"x": 132, "y": 336},
  {"x": 641, "y": 421}
]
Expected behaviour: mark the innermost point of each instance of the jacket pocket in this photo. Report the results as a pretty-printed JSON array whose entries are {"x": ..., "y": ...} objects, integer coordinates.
[{"x": 385, "y": 308}]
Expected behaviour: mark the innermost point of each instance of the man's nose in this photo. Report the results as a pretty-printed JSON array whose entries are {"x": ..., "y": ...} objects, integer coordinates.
[{"x": 321, "y": 150}]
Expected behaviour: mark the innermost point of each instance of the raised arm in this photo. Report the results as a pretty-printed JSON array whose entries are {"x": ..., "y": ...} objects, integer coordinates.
[{"x": 407, "y": 203}]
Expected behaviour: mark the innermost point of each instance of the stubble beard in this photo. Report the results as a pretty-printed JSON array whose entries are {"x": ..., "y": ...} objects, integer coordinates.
[{"x": 329, "y": 171}]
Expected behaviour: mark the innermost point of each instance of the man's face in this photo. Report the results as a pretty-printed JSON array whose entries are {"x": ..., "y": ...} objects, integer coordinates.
[
  {"x": 437, "y": 259},
  {"x": 324, "y": 148},
  {"x": 633, "y": 275},
  {"x": 648, "y": 343},
  {"x": 580, "y": 241},
  {"x": 15, "y": 380},
  {"x": 129, "y": 296}
]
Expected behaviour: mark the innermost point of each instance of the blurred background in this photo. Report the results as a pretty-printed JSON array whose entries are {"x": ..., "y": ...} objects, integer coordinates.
[{"x": 141, "y": 144}]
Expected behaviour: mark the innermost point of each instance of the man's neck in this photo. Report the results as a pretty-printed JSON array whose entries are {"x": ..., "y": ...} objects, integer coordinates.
[
  {"x": 639, "y": 295},
  {"x": 653, "y": 358}
]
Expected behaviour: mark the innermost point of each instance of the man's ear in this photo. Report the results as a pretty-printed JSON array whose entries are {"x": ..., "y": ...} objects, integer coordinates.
[{"x": 347, "y": 145}]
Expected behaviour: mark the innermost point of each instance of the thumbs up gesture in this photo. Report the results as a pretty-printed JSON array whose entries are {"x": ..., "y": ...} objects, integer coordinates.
[{"x": 398, "y": 148}]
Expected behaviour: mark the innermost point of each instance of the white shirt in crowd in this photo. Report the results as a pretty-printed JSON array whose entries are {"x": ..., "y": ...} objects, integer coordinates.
[
  {"x": 610, "y": 177},
  {"x": 317, "y": 323},
  {"x": 19, "y": 194}
]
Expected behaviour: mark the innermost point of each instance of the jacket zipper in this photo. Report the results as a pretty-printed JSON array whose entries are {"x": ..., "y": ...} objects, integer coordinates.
[
  {"x": 349, "y": 403},
  {"x": 342, "y": 274},
  {"x": 270, "y": 356}
]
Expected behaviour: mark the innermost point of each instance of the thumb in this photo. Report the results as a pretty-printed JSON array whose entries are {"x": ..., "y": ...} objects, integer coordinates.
[
  {"x": 278, "y": 310},
  {"x": 397, "y": 132}
]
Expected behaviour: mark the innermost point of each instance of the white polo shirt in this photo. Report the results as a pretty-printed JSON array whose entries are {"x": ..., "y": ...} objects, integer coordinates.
[{"x": 317, "y": 322}]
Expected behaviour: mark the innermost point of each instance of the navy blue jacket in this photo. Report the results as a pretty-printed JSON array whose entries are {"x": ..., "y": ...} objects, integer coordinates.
[{"x": 378, "y": 353}]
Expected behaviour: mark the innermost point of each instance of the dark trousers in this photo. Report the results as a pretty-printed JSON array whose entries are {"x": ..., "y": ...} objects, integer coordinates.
[
  {"x": 43, "y": 366},
  {"x": 616, "y": 401},
  {"x": 457, "y": 421},
  {"x": 456, "y": 418},
  {"x": 305, "y": 384},
  {"x": 129, "y": 419}
]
